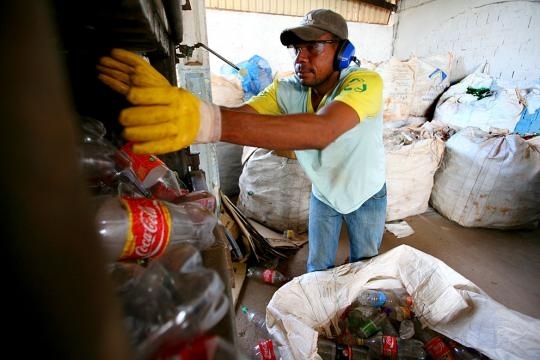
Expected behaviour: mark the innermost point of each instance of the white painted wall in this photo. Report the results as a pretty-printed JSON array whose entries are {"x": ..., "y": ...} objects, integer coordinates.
[
  {"x": 237, "y": 36},
  {"x": 506, "y": 34}
]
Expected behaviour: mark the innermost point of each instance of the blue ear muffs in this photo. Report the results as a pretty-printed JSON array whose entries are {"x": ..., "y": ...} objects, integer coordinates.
[{"x": 344, "y": 55}]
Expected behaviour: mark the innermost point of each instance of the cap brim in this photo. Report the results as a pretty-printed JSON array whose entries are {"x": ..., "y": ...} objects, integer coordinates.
[{"x": 301, "y": 33}]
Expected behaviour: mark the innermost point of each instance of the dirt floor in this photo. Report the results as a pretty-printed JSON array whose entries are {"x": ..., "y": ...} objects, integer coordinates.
[{"x": 505, "y": 264}]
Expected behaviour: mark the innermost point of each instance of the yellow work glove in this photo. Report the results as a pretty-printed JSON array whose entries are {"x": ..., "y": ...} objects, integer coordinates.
[
  {"x": 165, "y": 118},
  {"x": 124, "y": 69}
]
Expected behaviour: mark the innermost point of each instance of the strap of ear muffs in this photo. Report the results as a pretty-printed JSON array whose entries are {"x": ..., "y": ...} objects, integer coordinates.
[{"x": 344, "y": 55}]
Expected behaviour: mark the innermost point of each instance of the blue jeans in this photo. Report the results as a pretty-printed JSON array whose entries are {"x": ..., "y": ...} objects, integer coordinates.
[{"x": 365, "y": 227}]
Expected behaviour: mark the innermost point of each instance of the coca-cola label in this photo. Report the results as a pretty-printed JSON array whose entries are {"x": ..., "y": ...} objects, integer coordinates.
[
  {"x": 268, "y": 276},
  {"x": 149, "y": 228},
  {"x": 266, "y": 350},
  {"x": 438, "y": 349},
  {"x": 389, "y": 346},
  {"x": 142, "y": 164}
]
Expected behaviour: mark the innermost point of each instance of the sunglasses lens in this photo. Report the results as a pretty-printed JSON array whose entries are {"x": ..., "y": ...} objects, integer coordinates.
[{"x": 312, "y": 49}]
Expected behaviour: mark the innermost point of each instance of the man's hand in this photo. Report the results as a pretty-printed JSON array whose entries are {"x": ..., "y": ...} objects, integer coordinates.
[
  {"x": 125, "y": 69},
  {"x": 165, "y": 118}
]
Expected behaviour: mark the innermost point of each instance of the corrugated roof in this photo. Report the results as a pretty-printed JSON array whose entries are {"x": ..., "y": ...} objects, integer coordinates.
[{"x": 366, "y": 11}]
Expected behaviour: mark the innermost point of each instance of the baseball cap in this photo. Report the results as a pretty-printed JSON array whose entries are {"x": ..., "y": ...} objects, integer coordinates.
[{"x": 314, "y": 24}]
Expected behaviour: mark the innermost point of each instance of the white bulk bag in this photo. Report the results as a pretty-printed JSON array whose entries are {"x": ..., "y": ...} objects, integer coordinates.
[
  {"x": 274, "y": 191},
  {"x": 446, "y": 301},
  {"x": 489, "y": 180},
  {"x": 412, "y": 86},
  {"x": 501, "y": 110},
  {"x": 412, "y": 157},
  {"x": 227, "y": 91}
]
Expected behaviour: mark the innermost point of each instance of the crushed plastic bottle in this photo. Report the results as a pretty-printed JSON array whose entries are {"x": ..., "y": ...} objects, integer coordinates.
[
  {"x": 161, "y": 182},
  {"x": 161, "y": 311}
]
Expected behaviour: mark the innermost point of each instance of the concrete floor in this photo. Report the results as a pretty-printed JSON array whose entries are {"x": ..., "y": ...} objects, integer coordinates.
[{"x": 505, "y": 264}]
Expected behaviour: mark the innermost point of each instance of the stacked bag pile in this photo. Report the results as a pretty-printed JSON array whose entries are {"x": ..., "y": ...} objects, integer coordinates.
[{"x": 490, "y": 173}]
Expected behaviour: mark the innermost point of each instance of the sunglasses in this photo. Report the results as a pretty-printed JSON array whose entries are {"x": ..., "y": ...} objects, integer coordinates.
[{"x": 312, "y": 48}]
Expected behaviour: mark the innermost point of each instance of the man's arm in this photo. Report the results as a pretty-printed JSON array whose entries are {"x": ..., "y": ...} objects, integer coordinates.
[
  {"x": 166, "y": 118},
  {"x": 244, "y": 126}
]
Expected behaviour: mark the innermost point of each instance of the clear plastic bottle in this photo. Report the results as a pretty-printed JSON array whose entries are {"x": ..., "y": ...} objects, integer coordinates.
[
  {"x": 266, "y": 348},
  {"x": 384, "y": 297},
  {"x": 266, "y": 275},
  {"x": 140, "y": 228},
  {"x": 182, "y": 257},
  {"x": 160, "y": 310},
  {"x": 388, "y": 328},
  {"x": 203, "y": 197},
  {"x": 257, "y": 320},
  {"x": 406, "y": 329},
  {"x": 392, "y": 347},
  {"x": 330, "y": 350},
  {"x": 433, "y": 342},
  {"x": 104, "y": 166}
]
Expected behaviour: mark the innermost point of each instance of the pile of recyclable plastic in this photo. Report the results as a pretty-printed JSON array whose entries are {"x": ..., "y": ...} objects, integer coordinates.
[
  {"x": 170, "y": 301},
  {"x": 383, "y": 321},
  {"x": 153, "y": 229}
]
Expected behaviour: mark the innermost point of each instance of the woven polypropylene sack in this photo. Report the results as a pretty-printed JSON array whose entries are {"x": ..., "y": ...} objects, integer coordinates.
[
  {"x": 409, "y": 176},
  {"x": 274, "y": 191},
  {"x": 488, "y": 180}
]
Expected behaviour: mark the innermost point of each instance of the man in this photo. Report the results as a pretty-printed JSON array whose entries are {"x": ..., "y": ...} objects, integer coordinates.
[{"x": 329, "y": 113}]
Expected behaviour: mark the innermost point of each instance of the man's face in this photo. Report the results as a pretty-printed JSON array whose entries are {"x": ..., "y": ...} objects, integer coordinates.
[{"x": 313, "y": 63}]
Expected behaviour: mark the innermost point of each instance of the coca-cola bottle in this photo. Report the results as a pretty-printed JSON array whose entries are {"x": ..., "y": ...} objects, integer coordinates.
[
  {"x": 266, "y": 348},
  {"x": 391, "y": 347},
  {"x": 155, "y": 175},
  {"x": 433, "y": 342},
  {"x": 266, "y": 275},
  {"x": 141, "y": 228},
  {"x": 330, "y": 350}
]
